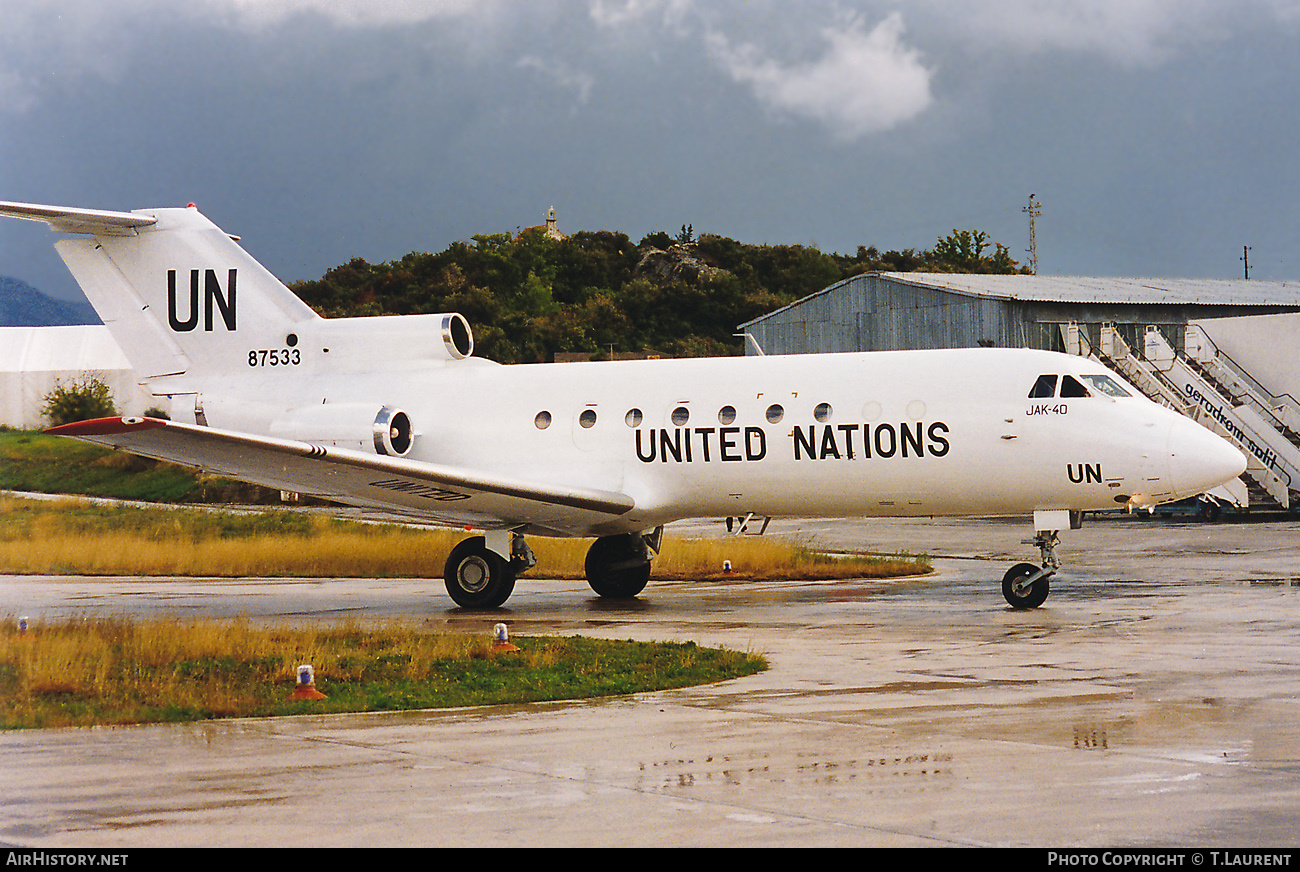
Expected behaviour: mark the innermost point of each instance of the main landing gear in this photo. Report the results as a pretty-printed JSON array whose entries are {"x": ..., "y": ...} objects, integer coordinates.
[
  {"x": 478, "y": 577},
  {"x": 618, "y": 567},
  {"x": 1025, "y": 586}
]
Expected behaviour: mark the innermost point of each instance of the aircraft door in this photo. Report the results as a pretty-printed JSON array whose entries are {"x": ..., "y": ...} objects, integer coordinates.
[{"x": 1153, "y": 480}]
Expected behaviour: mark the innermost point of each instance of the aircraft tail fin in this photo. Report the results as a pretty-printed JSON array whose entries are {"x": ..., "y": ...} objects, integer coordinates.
[{"x": 178, "y": 294}]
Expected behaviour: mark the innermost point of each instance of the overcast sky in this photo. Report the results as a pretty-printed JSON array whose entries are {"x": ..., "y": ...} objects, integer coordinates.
[{"x": 1160, "y": 136}]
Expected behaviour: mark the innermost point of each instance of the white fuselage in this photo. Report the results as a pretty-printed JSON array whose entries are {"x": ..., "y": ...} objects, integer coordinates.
[
  {"x": 263, "y": 388},
  {"x": 871, "y": 434}
]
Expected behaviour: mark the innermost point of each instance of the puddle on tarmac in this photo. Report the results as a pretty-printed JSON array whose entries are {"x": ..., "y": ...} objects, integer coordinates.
[{"x": 736, "y": 770}]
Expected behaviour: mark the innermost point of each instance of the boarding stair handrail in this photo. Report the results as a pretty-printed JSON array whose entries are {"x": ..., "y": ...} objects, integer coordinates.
[
  {"x": 1244, "y": 424},
  {"x": 1114, "y": 351},
  {"x": 1232, "y": 377},
  {"x": 1152, "y": 379}
]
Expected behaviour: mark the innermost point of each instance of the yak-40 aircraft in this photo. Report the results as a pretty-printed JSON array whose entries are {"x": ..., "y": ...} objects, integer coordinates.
[{"x": 394, "y": 413}]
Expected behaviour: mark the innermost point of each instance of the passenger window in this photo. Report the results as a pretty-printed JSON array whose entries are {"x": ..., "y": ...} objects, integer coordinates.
[
  {"x": 1044, "y": 387},
  {"x": 587, "y": 419},
  {"x": 681, "y": 416},
  {"x": 727, "y": 414},
  {"x": 633, "y": 418},
  {"x": 822, "y": 413},
  {"x": 1070, "y": 387}
]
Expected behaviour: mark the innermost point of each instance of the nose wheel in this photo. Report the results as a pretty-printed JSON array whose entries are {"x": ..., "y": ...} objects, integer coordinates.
[{"x": 1025, "y": 586}]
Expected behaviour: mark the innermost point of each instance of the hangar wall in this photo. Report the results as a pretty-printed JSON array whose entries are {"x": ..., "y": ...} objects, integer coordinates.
[
  {"x": 866, "y": 314},
  {"x": 34, "y": 359}
]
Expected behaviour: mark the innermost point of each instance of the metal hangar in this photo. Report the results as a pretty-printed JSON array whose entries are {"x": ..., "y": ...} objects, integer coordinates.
[{"x": 898, "y": 311}]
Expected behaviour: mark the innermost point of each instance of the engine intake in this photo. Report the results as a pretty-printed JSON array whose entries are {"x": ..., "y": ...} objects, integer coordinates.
[
  {"x": 385, "y": 341},
  {"x": 393, "y": 433},
  {"x": 358, "y": 426},
  {"x": 457, "y": 336}
]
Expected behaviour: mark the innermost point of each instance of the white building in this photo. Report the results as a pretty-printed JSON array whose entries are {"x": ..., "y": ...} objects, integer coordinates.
[{"x": 34, "y": 359}]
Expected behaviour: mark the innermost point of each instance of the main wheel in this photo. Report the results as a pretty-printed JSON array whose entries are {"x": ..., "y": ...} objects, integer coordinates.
[
  {"x": 615, "y": 569},
  {"x": 476, "y": 577},
  {"x": 1029, "y": 598}
]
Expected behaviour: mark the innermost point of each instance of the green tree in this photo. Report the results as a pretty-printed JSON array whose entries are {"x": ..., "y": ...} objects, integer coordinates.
[
  {"x": 658, "y": 239},
  {"x": 963, "y": 252},
  {"x": 82, "y": 399}
]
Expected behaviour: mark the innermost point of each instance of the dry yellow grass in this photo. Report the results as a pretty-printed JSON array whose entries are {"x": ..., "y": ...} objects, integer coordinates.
[
  {"x": 406, "y": 555},
  {"x": 47, "y": 541},
  {"x": 382, "y": 554},
  {"x": 775, "y": 558}
]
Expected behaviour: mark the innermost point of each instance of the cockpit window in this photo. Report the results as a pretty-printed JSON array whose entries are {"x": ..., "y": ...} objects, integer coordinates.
[
  {"x": 1104, "y": 384},
  {"x": 1044, "y": 387},
  {"x": 1070, "y": 387}
]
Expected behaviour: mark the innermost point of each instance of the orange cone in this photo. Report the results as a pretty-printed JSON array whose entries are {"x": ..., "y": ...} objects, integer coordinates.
[
  {"x": 306, "y": 688},
  {"x": 502, "y": 644}
]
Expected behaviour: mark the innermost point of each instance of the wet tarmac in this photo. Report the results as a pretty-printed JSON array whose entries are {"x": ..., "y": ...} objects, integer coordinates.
[{"x": 1154, "y": 701}]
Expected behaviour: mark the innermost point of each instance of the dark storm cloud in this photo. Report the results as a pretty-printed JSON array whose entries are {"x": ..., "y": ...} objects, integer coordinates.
[{"x": 1158, "y": 135}]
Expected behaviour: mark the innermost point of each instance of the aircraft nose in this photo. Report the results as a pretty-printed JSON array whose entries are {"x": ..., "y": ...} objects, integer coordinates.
[{"x": 1200, "y": 460}]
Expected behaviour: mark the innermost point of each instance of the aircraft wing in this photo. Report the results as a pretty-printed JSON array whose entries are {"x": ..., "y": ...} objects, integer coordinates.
[
  {"x": 439, "y": 493},
  {"x": 65, "y": 220}
]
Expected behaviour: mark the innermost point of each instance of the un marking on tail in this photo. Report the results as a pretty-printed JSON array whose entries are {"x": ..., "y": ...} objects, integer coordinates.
[{"x": 213, "y": 299}]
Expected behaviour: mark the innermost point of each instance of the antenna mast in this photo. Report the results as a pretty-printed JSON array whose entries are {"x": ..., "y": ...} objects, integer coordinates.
[{"x": 1034, "y": 209}]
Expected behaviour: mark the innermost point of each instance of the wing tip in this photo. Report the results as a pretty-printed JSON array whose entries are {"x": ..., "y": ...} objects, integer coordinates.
[{"x": 107, "y": 426}]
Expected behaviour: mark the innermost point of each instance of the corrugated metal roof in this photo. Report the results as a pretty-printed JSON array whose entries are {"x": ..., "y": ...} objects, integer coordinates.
[{"x": 1087, "y": 289}]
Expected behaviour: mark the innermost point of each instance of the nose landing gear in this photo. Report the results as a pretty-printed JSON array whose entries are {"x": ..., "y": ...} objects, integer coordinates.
[{"x": 1025, "y": 586}]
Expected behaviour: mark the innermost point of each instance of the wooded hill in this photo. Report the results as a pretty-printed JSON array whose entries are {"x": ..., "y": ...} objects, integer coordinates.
[
  {"x": 530, "y": 296},
  {"x": 21, "y": 305}
]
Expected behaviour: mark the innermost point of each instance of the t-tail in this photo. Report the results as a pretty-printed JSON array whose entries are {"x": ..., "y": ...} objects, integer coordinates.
[
  {"x": 177, "y": 293},
  {"x": 206, "y": 326}
]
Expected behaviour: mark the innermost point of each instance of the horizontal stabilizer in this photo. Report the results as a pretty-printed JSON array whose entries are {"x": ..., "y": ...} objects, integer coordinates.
[
  {"x": 441, "y": 493},
  {"x": 64, "y": 220}
]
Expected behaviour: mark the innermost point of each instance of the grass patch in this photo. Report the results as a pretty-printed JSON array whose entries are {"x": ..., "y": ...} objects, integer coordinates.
[
  {"x": 33, "y": 461},
  {"x": 73, "y": 537},
  {"x": 86, "y": 671}
]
